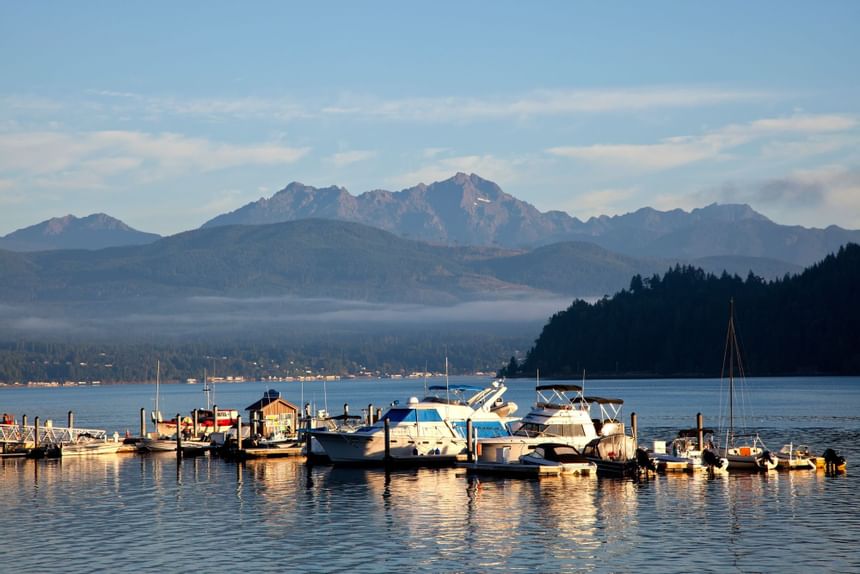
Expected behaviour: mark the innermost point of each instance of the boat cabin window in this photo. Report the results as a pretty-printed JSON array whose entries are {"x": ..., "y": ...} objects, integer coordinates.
[
  {"x": 484, "y": 429},
  {"x": 536, "y": 429},
  {"x": 398, "y": 415}
]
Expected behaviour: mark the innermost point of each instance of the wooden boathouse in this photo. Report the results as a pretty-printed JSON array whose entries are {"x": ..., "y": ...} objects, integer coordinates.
[{"x": 273, "y": 415}]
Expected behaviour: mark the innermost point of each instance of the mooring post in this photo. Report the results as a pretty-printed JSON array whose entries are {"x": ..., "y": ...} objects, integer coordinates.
[
  {"x": 239, "y": 433},
  {"x": 700, "y": 433},
  {"x": 387, "y": 423},
  {"x": 634, "y": 427},
  {"x": 345, "y": 410},
  {"x": 378, "y": 415},
  {"x": 370, "y": 414},
  {"x": 308, "y": 437},
  {"x": 178, "y": 436},
  {"x": 470, "y": 454},
  {"x": 215, "y": 420},
  {"x": 142, "y": 423},
  {"x": 23, "y": 422},
  {"x": 71, "y": 420},
  {"x": 195, "y": 420},
  {"x": 36, "y": 432}
]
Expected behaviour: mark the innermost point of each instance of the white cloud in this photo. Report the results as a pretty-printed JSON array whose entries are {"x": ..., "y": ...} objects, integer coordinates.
[
  {"x": 92, "y": 156},
  {"x": 682, "y": 150},
  {"x": 540, "y": 103},
  {"x": 344, "y": 158},
  {"x": 444, "y": 108}
]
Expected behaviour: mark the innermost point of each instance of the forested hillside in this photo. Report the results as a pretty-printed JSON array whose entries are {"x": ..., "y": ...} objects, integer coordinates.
[{"x": 675, "y": 325}]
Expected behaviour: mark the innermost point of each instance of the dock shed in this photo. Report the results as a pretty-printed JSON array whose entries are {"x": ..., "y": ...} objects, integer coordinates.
[{"x": 273, "y": 414}]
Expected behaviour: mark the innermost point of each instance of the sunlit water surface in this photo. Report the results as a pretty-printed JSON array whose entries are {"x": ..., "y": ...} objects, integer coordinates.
[{"x": 150, "y": 513}]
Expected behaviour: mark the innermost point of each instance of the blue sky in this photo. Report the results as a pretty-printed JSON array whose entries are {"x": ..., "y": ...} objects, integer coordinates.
[{"x": 165, "y": 114}]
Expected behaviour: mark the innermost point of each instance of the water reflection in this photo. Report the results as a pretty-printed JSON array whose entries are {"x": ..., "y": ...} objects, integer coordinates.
[{"x": 352, "y": 519}]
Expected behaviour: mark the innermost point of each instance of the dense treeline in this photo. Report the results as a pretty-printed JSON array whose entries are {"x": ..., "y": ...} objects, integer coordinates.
[
  {"x": 399, "y": 353},
  {"x": 675, "y": 325}
]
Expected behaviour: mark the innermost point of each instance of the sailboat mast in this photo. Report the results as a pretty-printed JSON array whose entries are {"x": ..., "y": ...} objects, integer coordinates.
[
  {"x": 157, "y": 415},
  {"x": 731, "y": 369}
]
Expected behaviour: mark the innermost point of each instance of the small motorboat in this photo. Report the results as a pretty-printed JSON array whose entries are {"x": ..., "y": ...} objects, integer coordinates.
[
  {"x": 795, "y": 457},
  {"x": 614, "y": 455},
  {"x": 89, "y": 446},
  {"x": 559, "y": 455}
]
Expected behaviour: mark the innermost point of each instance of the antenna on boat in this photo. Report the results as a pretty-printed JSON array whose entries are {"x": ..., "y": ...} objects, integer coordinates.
[{"x": 447, "y": 390}]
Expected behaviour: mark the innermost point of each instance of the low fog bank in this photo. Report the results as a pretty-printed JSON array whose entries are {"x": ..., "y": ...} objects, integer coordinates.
[{"x": 224, "y": 318}]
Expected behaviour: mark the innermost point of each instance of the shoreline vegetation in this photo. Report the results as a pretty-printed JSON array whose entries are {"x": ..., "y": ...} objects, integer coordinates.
[{"x": 800, "y": 325}]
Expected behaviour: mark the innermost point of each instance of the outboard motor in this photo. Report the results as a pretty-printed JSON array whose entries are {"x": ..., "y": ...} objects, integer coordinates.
[
  {"x": 832, "y": 460},
  {"x": 644, "y": 460},
  {"x": 711, "y": 459}
]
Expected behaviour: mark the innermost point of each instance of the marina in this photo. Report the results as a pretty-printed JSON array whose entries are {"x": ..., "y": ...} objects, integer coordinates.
[{"x": 436, "y": 518}]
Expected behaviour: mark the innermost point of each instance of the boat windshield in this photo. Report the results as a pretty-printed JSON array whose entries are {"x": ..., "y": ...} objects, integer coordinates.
[
  {"x": 398, "y": 415},
  {"x": 537, "y": 429}
]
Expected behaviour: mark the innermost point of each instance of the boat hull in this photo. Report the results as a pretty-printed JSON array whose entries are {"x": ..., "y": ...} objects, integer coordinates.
[{"x": 369, "y": 448}]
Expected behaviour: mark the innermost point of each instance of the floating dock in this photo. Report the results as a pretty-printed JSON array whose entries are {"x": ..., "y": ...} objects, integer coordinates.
[{"x": 516, "y": 469}]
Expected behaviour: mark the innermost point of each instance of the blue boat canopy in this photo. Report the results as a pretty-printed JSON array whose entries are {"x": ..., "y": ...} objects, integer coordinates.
[{"x": 559, "y": 387}]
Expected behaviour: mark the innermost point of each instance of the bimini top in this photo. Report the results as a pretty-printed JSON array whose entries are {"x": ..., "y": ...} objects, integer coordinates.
[
  {"x": 598, "y": 400},
  {"x": 559, "y": 387},
  {"x": 455, "y": 388}
]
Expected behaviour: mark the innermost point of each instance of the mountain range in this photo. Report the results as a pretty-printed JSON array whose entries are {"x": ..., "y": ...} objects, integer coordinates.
[
  {"x": 95, "y": 231},
  {"x": 312, "y": 258},
  {"x": 469, "y": 210}
]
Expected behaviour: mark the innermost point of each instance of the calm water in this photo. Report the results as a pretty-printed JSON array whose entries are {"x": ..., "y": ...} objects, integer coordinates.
[{"x": 148, "y": 513}]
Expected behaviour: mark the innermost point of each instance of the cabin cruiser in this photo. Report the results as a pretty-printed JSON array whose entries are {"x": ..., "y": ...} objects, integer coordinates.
[
  {"x": 427, "y": 431},
  {"x": 561, "y": 414}
]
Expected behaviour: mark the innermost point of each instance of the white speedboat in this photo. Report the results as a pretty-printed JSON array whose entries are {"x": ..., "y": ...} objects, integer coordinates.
[
  {"x": 429, "y": 431},
  {"x": 744, "y": 451},
  {"x": 795, "y": 457},
  {"x": 561, "y": 456},
  {"x": 168, "y": 444},
  {"x": 89, "y": 446},
  {"x": 687, "y": 455},
  {"x": 562, "y": 415}
]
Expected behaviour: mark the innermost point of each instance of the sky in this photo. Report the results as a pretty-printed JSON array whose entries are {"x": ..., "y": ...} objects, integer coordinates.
[{"x": 165, "y": 114}]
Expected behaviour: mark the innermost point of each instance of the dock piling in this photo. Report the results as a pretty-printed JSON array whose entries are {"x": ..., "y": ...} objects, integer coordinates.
[
  {"x": 178, "y": 435},
  {"x": 634, "y": 426},
  {"x": 196, "y": 422},
  {"x": 470, "y": 453},
  {"x": 387, "y": 440},
  {"x": 370, "y": 414},
  {"x": 700, "y": 434},
  {"x": 239, "y": 433},
  {"x": 36, "y": 432},
  {"x": 142, "y": 423},
  {"x": 71, "y": 424}
]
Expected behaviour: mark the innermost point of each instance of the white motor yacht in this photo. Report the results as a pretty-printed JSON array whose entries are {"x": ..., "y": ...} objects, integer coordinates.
[
  {"x": 561, "y": 415},
  {"x": 427, "y": 431}
]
